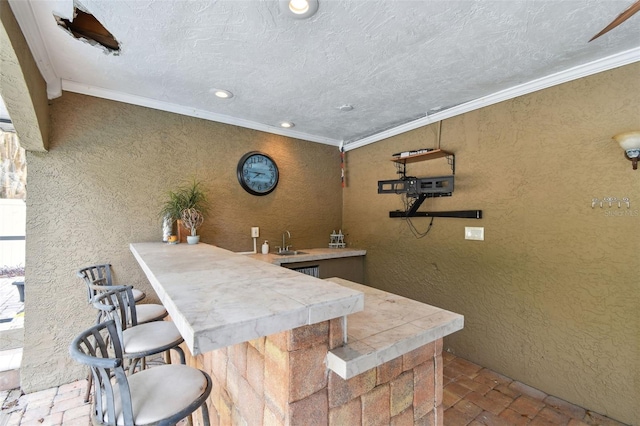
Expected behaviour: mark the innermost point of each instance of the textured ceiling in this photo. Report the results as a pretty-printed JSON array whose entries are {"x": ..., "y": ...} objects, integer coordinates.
[{"x": 394, "y": 61}]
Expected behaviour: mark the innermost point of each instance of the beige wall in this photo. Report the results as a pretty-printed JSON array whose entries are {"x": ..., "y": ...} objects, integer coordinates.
[
  {"x": 100, "y": 187},
  {"x": 551, "y": 296},
  {"x": 21, "y": 86}
]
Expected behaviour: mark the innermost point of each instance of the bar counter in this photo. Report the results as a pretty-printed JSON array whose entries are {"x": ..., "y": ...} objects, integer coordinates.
[
  {"x": 274, "y": 341},
  {"x": 218, "y": 298}
]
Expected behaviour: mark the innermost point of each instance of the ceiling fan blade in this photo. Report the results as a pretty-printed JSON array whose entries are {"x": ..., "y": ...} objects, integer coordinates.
[{"x": 619, "y": 20}]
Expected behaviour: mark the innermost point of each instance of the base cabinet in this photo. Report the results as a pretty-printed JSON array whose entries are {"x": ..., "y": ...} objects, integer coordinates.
[{"x": 349, "y": 268}]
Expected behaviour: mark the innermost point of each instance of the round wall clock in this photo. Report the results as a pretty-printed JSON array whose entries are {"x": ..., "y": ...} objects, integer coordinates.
[{"x": 257, "y": 173}]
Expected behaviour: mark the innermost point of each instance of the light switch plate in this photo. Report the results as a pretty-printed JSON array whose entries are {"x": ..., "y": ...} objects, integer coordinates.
[
  {"x": 474, "y": 233},
  {"x": 255, "y": 232}
]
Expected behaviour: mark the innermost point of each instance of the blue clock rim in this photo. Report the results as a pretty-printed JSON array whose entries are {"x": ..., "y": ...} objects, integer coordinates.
[{"x": 240, "y": 175}]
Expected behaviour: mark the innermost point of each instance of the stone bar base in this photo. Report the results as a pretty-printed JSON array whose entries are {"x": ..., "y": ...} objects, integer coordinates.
[{"x": 282, "y": 379}]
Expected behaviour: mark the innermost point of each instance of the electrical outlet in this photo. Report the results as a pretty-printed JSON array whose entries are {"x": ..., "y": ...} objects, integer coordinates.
[
  {"x": 255, "y": 232},
  {"x": 474, "y": 233}
]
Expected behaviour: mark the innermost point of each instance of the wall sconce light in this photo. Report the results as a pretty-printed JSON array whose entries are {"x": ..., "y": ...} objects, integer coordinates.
[{"x": 630, "y": 142}]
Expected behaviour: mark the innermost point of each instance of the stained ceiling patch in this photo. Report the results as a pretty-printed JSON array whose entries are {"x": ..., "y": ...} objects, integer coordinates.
[{"x": 84, "y": 26}]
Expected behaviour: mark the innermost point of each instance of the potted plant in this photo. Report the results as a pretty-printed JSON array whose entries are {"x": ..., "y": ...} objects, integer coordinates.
[
  {"x": 190, "y": 196},
  {"x": 192, "y": 219}
]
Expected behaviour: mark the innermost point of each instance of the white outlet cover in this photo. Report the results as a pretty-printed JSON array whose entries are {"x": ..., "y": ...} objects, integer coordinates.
[
  {"x": 474, "y": 233},
  {"x": 255, "y": 232}
]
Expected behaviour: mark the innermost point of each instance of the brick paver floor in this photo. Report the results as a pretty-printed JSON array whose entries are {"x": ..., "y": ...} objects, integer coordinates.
[
  {"x": 475, "y": 396},
  {"x": 472, "y": 396}
]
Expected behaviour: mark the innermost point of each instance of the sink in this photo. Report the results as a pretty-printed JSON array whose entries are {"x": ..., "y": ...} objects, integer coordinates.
[{"x": 290, "y": 253}]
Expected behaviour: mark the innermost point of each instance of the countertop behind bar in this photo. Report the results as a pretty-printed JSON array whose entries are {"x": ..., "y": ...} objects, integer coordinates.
[
  {"x": 219, "y": 298},
  {"x": 309, "y": 255}
]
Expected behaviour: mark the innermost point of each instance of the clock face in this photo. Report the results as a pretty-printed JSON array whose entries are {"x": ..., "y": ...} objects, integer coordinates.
[{"x": 257, "y": 173}]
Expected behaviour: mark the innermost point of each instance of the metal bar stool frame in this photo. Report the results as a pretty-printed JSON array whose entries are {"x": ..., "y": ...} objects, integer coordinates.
[{"x": 99, "y": 347}]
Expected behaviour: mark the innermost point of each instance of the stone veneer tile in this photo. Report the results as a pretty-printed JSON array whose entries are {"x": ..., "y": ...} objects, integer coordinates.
[
  {"x": 276, "y": 355},
  {"x": 341, "y": 391},
  {"x": 310, "y": 371},
  {"x": 251, "y": 405},
  {"x": 389, "y": 370},
  {"x": 232, "y": 384},
  {"x": 258, "y": 344},
  {"x": 273, "y": 412},
  {"x": 403, "y": 419},
  {"x": 428, "y": 419},
  {"x": 238, "y": 355},
  {"x": 280, "y": 340},
  {"x": 424, "y": 394},
  {"x": 269, "y": 418},
  {"x": 418, "y": 356},
  {"x": 336, "y": 334},
  {"x": 347, "y": 414},
  {"x": 224, "y": 408},
  {"x": 219, "y": 364},
  {"x": 308, "y": 335},
  {"x": 310, "y": 411},
  {"x": 255, "y": 369},
  {"x": 276, "y": 377},
  {"x": 401, "y": 393},
  {"x": 376, "y": 406},
  {"x": 439, "y": 378}
]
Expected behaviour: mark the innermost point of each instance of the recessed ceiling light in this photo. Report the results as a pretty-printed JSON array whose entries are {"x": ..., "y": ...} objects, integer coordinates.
[
  {"x": 299, "y": 9},
  {"x": 345, "y": 107},
  {"x": 223, "y": 94},
  {"x": 287, "y": 124}
]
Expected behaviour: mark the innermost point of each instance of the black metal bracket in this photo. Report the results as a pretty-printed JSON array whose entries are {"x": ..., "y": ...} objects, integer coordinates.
[{"x": 460, "y": 214}]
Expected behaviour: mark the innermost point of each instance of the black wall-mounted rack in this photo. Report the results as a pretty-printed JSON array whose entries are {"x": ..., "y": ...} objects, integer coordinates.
[
  {"x": 423, "y": 188},
  {"x": 460, "y": 214}
]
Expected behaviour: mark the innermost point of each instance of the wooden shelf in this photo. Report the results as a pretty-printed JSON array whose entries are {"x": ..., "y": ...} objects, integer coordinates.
[{"x": 436, "y": 153}]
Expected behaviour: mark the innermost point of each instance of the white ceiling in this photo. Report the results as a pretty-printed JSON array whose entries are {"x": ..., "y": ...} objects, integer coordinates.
[{"x": 396, "y": 62}]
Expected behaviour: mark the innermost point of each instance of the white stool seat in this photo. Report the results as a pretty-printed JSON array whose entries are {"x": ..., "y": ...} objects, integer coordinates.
[
  {"x": 150, "y": 312},
  {"x": 161, "y": 392},
  {"x": 138, "y": 295},
  {"x": 161, "y": 395},
  {"x": 149, "y": 336}
]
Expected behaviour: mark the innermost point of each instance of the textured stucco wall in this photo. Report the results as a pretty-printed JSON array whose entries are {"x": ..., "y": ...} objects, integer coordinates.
[
  {"x": 101, "y": 185},
  {"x": 21, "y": 86},
  {"x": 551, "y": 296}
]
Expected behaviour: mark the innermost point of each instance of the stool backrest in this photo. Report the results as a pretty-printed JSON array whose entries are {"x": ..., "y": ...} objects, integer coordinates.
[
  {"x": 118, "y": 304},
  {"x": 91, "y": 274},
  {"x": 99, "y": 348}
]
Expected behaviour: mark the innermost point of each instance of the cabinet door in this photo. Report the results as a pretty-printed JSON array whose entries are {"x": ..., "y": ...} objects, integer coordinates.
[{"x": 349, "y": 268}]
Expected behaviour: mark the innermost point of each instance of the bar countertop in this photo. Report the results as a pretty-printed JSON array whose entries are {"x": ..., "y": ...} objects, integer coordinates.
[{"x": 219, "y": 298}]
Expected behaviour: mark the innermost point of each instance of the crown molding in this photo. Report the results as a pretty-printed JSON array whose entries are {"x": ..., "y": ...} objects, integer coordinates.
[
  {"x": 26, "y": 19},
  {"x": 84, "y": 89},
  {"x": 600, "y": 65}
]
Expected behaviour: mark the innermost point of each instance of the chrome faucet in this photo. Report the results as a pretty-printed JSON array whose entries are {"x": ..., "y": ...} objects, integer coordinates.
[{"x": 284, "y": 247}]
